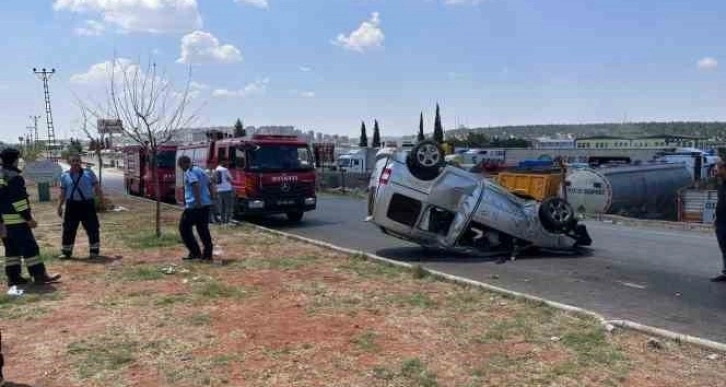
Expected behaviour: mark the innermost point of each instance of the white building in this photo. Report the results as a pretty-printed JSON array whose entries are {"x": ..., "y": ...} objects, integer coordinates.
[{"x": 554, "y": 143}]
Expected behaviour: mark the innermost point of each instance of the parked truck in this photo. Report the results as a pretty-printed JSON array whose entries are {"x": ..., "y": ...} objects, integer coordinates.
[
  {"x": 138, "y": 175},
  {"x": 361, "y": 160},
  {"x": 271, "y": 174}
]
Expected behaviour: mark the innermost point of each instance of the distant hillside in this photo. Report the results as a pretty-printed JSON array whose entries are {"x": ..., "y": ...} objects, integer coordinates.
[{"x": 631, "y": 129}]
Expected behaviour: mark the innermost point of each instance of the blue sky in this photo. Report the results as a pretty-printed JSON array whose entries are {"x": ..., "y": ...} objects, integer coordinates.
[{"x": 326, "y": 65}]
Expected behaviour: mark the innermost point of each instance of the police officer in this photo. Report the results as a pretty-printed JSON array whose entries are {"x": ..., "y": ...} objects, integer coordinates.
[
  {"x": 78, "y": 190},
  {"x": 18, "y": 219}
]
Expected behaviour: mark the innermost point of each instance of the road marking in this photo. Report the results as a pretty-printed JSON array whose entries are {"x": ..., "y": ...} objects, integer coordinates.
[{"x": 631, "y": 285}]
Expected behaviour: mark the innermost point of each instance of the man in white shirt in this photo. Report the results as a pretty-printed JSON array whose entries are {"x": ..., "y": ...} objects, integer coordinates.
[{"x": 225, "y": 192}]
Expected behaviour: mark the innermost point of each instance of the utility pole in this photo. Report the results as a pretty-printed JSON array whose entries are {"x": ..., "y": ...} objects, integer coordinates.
[
  {"x": 34, "y": 128},
  {"x": 29, "y": 138},
  {"x": 44, "y": 76}
]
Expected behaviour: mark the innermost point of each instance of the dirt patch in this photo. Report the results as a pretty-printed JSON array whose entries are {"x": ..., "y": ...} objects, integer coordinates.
[{"x": 280, "y": 312}]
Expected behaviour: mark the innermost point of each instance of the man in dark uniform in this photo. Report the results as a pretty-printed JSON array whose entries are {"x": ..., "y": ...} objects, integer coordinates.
[
  {"x": 720, "y": 221},
  {"x": 18, "y": 219},
  {"x": 78, "y": 191}
]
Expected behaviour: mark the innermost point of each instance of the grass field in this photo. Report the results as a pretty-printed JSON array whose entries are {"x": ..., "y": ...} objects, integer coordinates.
[{"x": 279, "y": 313}]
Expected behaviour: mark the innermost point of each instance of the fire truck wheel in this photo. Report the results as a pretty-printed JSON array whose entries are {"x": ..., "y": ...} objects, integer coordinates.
[{"x": 294, "y": 216}]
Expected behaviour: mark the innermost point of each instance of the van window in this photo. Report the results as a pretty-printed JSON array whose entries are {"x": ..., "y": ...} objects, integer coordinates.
[{"x": 222, "y": 154}]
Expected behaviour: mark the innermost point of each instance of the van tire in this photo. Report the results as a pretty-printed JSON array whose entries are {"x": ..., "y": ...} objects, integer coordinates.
[
  {"x": 426, "y": 160},
  {"x": 557, "y": 215},
  {"x": 294, "y": 216}
]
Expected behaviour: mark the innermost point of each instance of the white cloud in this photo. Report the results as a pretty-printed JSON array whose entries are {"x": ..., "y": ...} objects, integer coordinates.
[
  {"x": 305, "y": 69},
  {"x": 368, "y": 35},
  {"x": 707, "y": 63},
  {"x": 258, "y": 87},
  {"x": 200, "y": 46},
  {"x": 255, "y": 3},
  {"x": 195, "y": 90},
  {"x": 304, "y": 94},
  {"x": 155, "y": 16},
  {"x": 91, "y": 28},
  {"x": 101, "y": 72}
]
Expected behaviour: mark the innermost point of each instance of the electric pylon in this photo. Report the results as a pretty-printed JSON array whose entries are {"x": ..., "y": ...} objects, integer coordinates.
[{"x": 44, "y": 76}]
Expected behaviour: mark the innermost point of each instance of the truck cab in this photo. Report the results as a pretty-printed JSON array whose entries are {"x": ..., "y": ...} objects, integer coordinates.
[
  {"x": 361, "y": 160},
  {"x": 271, "y": 174},
  {"x": 138, "y": 176}
]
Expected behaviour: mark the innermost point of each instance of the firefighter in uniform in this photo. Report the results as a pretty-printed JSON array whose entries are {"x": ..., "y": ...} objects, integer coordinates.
[
  {"x": 79, "y": 189},
  {"x": 19, "y": 240}
]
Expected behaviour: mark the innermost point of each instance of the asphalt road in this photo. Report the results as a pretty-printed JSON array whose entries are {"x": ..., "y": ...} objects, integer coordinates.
[{"x": 651, "y": 276}]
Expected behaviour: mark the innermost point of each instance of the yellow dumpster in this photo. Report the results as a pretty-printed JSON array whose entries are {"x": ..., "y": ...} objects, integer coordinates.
[{"x": 539, "y": 186}]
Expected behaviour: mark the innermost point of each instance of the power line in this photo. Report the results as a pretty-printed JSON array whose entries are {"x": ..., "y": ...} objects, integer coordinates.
[{"x": 44, "y": 76}]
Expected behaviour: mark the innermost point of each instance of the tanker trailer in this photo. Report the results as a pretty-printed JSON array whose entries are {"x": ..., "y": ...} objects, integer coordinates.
[{"x": 645, "y": 190}]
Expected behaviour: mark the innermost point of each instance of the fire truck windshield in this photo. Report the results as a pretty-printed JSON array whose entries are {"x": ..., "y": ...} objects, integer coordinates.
[
  {"x": 280, "y": 158},
  {"x": 166, "y": 159}
]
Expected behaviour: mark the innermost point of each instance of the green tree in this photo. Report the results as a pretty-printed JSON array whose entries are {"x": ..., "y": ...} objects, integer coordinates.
[
  {"x": 376, "y": 135},
  {"x": 74, "y": 147},
  {"x": 421, "y": 136},
  {"x": 363, "y": 136},
  {"x": 239, "y": 129},
  {"x": 438, "y": 129}
]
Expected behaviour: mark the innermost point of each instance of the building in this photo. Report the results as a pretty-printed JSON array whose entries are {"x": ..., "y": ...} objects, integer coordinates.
[
  {"x": 554, "y": 143},
  {"x": 645, "y": 142},
  {"x": 602, "y": 142}
]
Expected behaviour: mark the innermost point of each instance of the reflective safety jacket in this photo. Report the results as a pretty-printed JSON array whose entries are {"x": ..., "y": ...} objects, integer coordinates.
[{"x": 14, "y": 203}]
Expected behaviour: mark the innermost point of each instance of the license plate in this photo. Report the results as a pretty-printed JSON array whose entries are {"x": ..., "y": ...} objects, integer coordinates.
[{"x": 285, "y": 202}]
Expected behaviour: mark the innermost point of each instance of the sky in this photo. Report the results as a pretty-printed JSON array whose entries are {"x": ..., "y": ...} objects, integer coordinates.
[{"x": 327, "y": 65}]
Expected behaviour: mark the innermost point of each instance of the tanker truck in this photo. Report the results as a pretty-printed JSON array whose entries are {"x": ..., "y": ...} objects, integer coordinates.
[{"x": 644, "y": 191}]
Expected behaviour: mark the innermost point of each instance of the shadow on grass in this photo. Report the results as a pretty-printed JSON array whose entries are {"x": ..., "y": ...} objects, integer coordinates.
[
  {"x": 39, "y": 289},
  {"x": 100, "y": 260}
]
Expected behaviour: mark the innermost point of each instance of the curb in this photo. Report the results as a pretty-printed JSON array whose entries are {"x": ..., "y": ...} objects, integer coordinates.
[{"x": 607, "y": 324}]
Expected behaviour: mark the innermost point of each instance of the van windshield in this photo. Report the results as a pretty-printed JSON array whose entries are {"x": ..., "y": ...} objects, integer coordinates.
[{"x": 280, "y": 158}]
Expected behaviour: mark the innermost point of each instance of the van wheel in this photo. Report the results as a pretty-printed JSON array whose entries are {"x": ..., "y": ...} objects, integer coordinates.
[
  {"x": 557, "y": 215},
  {"x": 426, "y": 160},
  {"x": 294, "y": 216}
]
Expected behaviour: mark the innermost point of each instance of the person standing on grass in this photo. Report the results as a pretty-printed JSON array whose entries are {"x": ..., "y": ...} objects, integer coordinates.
[
  {"x": 17, "y": 217},
  {"x": 78, "y": 191},
  {"x": 225, "y": 192},
  {"x": 198, "y": 204},
  {"x": 720, "y": 222},
  {"x": 213, "y": 212}
]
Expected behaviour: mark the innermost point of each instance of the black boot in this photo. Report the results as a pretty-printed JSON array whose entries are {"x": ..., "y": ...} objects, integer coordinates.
[
  {"x": 14, "y": 276},
  {"x": 40, "y": 276}
]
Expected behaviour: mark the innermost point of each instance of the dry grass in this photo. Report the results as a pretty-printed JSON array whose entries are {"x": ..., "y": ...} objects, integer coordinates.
[{"x": 286, "y": 313}]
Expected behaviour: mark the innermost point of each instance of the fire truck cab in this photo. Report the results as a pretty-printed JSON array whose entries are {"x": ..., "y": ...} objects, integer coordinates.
[
  {"x": 138, "y": 175},
  {"x": 271, "y": 174}
]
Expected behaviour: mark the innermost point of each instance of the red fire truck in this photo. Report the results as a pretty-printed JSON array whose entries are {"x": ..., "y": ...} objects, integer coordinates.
[
  {"x": 272, "y": 174},
  {"x": 137, "y": 172}
]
